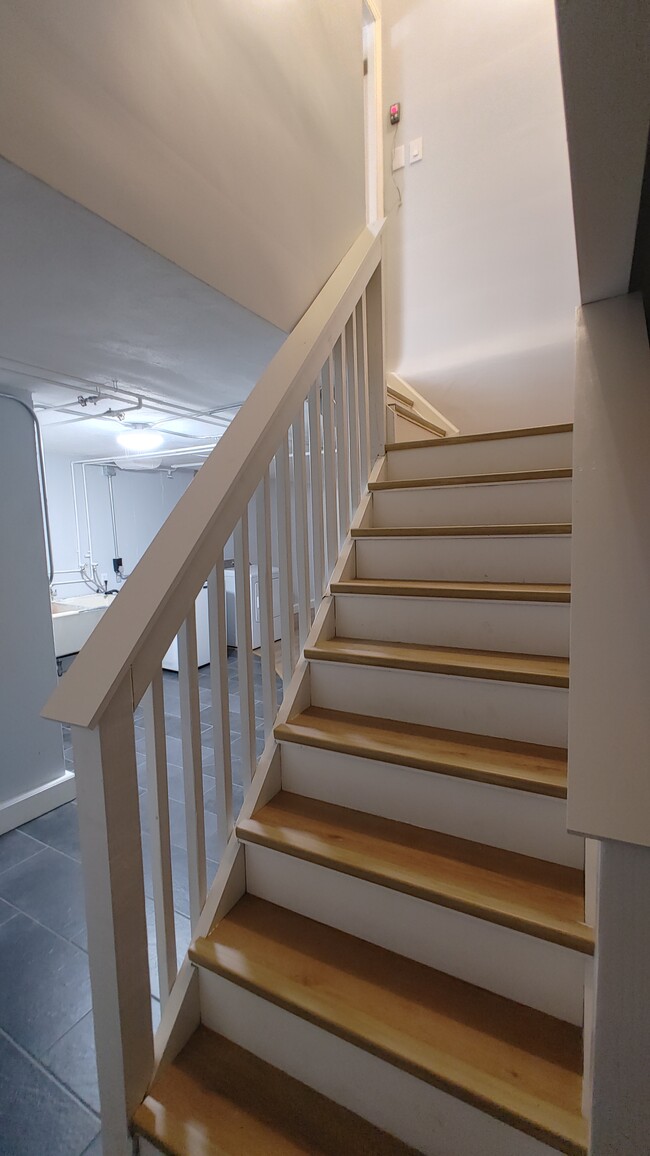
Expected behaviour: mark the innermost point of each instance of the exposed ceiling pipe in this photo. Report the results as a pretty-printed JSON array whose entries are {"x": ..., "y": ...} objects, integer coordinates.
[
  {"x": 174, "y": 433},
  {"x": 119, "y": 460},
  {"x": 220, "y": 424},
  {"x": 115, "y": 391},
  {"x": 203, "y": 414},
  {"x": 109, "y": 413},
  {"x": 167, "y": 408}
]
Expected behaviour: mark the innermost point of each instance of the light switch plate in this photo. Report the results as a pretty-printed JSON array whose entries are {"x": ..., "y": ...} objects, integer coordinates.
[
  {"x": 398, "y": 158},
  {"x": 415, "y": 150}
]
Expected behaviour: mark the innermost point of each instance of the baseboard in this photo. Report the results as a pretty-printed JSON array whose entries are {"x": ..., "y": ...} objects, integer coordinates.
[{"x": 38, "y": 802}]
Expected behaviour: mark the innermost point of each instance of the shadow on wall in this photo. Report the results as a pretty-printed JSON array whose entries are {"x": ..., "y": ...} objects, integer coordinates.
[{"x": 523, "y": 387}]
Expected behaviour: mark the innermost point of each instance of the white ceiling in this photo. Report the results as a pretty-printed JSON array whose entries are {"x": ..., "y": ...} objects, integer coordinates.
[
  {"x": 82, "y": 304},
  {"x": 226, "y": 135}
]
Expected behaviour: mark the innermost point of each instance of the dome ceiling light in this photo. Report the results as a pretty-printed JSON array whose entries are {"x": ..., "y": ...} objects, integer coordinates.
[{"x": 140, "y": 438}]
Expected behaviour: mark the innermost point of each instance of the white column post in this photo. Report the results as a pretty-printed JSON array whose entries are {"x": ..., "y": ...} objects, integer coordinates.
[{"x": 109, "y": 822}]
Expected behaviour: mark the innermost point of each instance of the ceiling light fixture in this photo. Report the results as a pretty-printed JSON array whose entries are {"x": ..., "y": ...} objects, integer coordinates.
[{"x": 140, "y": 438}]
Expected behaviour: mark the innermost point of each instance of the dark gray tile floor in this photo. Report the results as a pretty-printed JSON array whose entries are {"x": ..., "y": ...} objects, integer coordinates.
[{"x": 48, "y": 1084}]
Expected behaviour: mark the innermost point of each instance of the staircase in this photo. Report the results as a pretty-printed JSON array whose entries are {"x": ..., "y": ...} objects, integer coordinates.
[{"x": 405, "y": 970}]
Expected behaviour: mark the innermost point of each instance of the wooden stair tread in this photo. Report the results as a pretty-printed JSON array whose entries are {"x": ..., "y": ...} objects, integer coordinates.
[
  {"x": 471, "y": 480},
  {"x": 216, "y": 1099},
  {"x": 542, "y": 670},
  {"x": 528, "y": 895},
  {"x": 502, "y": 762},
  {"x": 518, "y": 1064},
  {"x": 460, "y": 439},
  {"x": 527, "y": 529},
  {"x": 417, "y": 588}
]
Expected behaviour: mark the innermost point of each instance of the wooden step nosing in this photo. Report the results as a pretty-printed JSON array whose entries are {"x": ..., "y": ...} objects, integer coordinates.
[
  {"x": 370, "y": 587},
  {"x": 334, "y": 1022},
  {"x": 144, "y": 1124},
  {"x": 222, "y": 1082},
  {"x": 438, "y": 666},
  {"x": 521, "y": 530},
  {"x": 284, "y": 732},
  {"x": 499, "y": 435},
  {"x": 464, "y": 481},
  {"x": 551, "y": 932}
]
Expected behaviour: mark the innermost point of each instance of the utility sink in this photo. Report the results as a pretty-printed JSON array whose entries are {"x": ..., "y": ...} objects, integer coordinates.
[{"x": 74, "y": 619}]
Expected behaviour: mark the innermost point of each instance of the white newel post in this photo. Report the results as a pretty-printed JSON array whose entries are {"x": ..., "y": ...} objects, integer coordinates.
[
  {"x": 109, "y": 823},
  {"x": 609, "y": 722},
  {"x": 376, "y": 374}
]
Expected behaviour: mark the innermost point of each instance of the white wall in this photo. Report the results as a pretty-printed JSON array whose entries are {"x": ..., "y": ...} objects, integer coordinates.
[
  {"x": 143, "y": 500},
  {"x": 226, "y": 136},
  {"x": 620, "y": 1105},
  {"x": 31, "y": 755},
  {"x": 481, "y": 268},
  {"x": 609, "y": 722}
]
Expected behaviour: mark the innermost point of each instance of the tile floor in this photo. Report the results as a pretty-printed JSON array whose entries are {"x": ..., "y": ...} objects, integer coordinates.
[{"x": 48, "y": 1085}]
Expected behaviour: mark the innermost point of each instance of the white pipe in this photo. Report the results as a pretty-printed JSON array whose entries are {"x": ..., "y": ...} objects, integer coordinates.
[
  {"x": 150, "y": 402},
  {"x": 117, "y": 459},
  {"x": 76, "y": 514},
  {"x": 87, "y": 505},
  {"x": 111, "y": 499}
]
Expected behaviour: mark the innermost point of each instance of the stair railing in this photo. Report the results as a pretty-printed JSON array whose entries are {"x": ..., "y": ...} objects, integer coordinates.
[{"x": 282, "y": 485}]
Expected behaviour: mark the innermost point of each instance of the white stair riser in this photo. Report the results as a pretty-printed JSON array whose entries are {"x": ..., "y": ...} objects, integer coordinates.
[
  {"x": 541, "y": 452},
  {"x": 498, "y": 559},
  {"x": 482, "y": 706},
  {"x": 521, "y": 967},
  {"x": 431, "y": 1121},
  {"x": 519, "y": 627},
  {"x": 498, "y": 504},
  {"x": 499, "y": 816}
]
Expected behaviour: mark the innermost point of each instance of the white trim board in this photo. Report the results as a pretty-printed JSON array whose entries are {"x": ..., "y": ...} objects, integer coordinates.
[
  {"x": 22, "y": 808},
  {"x": 421, "y": 405}
]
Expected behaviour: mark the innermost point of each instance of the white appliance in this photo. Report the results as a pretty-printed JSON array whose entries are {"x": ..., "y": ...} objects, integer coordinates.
[
  {"x": 170, "y": 661},
  {"x": 231, "y": 616}
]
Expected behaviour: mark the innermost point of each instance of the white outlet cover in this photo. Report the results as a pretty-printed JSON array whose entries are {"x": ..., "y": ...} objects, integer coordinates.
[
  {"x": 415, "y": 150},
  {"x": 398, "y": 158}
]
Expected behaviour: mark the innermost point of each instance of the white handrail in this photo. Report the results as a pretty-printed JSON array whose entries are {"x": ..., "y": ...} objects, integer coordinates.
[{"x": 136, "y": 630}]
